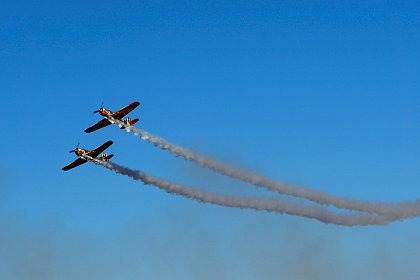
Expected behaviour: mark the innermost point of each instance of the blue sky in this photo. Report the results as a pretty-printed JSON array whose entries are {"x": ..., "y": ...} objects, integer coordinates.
[{"x": 320, "y": 94}]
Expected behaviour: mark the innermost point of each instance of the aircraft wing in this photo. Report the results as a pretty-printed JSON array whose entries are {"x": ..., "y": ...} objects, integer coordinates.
[
  {"x": 98, "y": 125},
  {"x": 124, "y": 111},
  {"x": 75, "y": 163},
  {"x": 94, "y": 153}
]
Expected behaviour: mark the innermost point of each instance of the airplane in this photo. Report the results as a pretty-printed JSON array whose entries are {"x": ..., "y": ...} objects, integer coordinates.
[
  {"x": 118, "y": 115},
  {"x": 95, "y": 153}
]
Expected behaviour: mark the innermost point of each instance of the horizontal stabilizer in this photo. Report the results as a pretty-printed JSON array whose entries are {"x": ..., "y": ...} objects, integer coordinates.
[
  {"x": 132, "y": 122},
  {"x": 109, "y": 157}
]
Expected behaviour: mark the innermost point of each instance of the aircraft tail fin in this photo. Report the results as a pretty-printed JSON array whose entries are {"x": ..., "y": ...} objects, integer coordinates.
[
  {"x": 132, "y": 122},
  {"x": 108, "y": 157}
]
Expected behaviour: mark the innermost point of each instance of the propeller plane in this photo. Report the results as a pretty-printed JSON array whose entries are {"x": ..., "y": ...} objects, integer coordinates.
[
  {"x": 118, "y": 115},
  {"x": 95, "y": 153}
]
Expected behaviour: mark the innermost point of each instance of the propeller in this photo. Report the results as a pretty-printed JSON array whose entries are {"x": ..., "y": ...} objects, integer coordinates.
[
  {"x": 97, "y": 111},
  {"x": 72, "y": 151}
]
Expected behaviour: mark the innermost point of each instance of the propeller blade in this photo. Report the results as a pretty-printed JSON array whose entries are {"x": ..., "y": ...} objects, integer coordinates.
[
  {"x": 71, "y": 151},
  {"x": 97, "y": 111}
]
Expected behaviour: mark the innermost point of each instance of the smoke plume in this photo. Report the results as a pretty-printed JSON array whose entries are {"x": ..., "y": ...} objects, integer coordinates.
[
  {"x": 400, "y": 210},
  {"x": 278, "y": 206}
]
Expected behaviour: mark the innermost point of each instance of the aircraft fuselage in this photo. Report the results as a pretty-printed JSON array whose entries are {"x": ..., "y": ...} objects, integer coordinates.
[{"x": 105, "y": 112}]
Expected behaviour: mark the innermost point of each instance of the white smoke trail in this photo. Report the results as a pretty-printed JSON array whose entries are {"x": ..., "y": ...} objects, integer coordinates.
[
  {"x": 402, "y": 210},
  {"x": 278, "y": 206}
]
